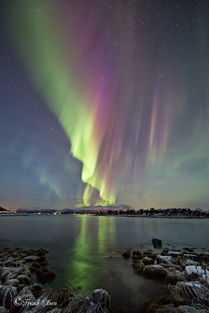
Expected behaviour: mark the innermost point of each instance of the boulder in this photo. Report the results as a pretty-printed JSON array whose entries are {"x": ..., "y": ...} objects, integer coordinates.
[
  {"x": 100, "y": 296},
  {"x": 187, "y": 262},
  {"x": 138, "y": 267},
  {"x": 22, "y": 270},
  {"x": 36, "y": 290},
  {"x": 20, "y": 287},
  {"x": 173, "y": 298},
  {"x": 190, "y": 250},
  {"x": 32, "y": 258},
  {"x": 19, "y": 263},
  {"x": 45, "y": 276},
  {"x": 157, "y": 243},
  {"x": 12, "y": 282},
  {"x": 197, "y": 271},
  {"x": 147, "y": 260},
  {"x": 165, "y": 259},
  {"x": 41, "y": 252},
  {"x": 199, "y": 257},
  {"x": 136, "y": 255},
  {"x": 24, "y": 279},
  {"x": 173, "y": 278},
  {"x": 7, "y": 295},
  {"x": 35, "y": 266},
  {"x": 150, "y": 254},
  {"x": 97, "y": 302},
  {"x": 165, "y": 251},
  {"x": 126, "y": 254},
  {"x": 155, "y": 272},
  {"x": 7, "y": 273},
  {"x": 9, "y": 262},
  {"x": 191, "y": 290}
]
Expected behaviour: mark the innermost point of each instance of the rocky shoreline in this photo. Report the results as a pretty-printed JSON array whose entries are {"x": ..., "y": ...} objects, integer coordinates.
[
  {"x": 23, "y": 287},
  {"x": 185, "y": 273},
  {"x": 24, "y": 275}
]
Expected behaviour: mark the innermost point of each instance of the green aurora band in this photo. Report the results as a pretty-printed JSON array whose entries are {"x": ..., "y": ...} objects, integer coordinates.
[{"x": 38, "y": 39}]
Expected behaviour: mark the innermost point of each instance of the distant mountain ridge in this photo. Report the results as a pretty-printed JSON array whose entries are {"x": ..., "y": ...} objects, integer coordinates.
[
  {"x": 2, "y": 209},
  {"x": 114, "y": 209},
  {"x": 36, "y": 210},
  {"x": 84, "y": 208},
  {"x": 97, "y": 207}
]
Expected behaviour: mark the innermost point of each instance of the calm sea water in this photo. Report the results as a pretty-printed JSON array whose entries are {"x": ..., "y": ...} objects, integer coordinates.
[{"x": 85, "y": 251}]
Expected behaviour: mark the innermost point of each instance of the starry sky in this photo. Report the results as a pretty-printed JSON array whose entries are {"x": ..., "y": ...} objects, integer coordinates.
[{"x": 104, "y": 102}]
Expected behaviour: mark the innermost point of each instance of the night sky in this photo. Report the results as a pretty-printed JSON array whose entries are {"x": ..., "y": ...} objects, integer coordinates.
[{"x": 104, "y": 102}]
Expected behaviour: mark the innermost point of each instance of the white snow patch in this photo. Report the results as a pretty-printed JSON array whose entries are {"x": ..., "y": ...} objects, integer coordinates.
[
  {"x": 174, "y": 253},
  {"x": 164, "y": 258},
  {"x": 191, "y": 284},
  {"x": 203, "y": 273}
]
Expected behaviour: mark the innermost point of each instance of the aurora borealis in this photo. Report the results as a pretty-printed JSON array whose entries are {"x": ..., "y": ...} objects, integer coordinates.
[{"x": 104, "y": 102}]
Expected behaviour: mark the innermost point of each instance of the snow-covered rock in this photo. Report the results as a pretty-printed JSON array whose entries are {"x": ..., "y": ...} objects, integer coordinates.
[
  {"x": 166, "y": 259},
  {"x": 189, "y": 262},
  {"x": 32, "y": 258},
  {"x": 190, "y": 290},
  {"x": 174, "y": 253},
  {"x": 199, "y": 270}
]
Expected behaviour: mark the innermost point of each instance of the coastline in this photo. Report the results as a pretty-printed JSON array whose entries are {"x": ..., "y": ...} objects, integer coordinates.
[
  {"x": 108, "y": 215},
  {"x": 168, "y": 217},
  {"x": 184, "y": 271},
  {"x": 24, "y": 276}
]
